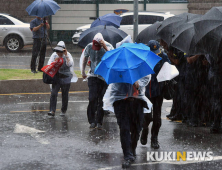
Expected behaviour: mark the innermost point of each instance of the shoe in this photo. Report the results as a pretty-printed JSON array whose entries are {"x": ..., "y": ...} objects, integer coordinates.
[
  {"x": 144, "y": 136},
  {"x": 40, "y": 70},
  {"x": 99, "y": 126},
  {"x": 155, "y": 143},
  {"x": 51, "y": 113},
  {"x": 174, "y": 118},
  {"x": 127, "y": 163},
  {"x": 169, "y": 115},
  {"x": 62, "y": 114},
  {"x": 92, "y": 126},
  {"x": 33, "y": 71}
]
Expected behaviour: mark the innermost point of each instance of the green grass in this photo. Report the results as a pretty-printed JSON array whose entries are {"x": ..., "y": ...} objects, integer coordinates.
[{"x": 21, "y": 74}]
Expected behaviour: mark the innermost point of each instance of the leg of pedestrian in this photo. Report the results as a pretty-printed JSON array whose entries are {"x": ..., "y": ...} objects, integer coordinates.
[
  {"x": 53, "y": 99},
  {"x": 93, "y": 101},
  {"x": 123, "y": 121},
  {"x": 35, "y": 52},
  {"x": 65, "y": 98}
]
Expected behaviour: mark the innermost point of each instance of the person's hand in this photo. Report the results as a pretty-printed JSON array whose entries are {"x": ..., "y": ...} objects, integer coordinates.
[
  {"x": 103, "y": 44},
  {"x": 65, "y": 52},
  {"x": 56, "y": 59},
  {"x": 84, "y": 75},
  {"x": 136, "y": 84},
  {"x": 42, "y": 24}
]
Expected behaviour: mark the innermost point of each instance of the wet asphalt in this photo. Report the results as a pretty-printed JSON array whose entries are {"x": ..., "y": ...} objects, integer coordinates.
[{"x": 67, "y": 143}]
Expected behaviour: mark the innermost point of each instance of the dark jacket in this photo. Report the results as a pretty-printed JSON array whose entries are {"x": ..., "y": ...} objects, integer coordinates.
[{"x": 154, "y": 88}]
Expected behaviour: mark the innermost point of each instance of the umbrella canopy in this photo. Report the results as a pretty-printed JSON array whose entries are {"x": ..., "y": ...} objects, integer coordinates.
[
  {"x": 110, "y": 34},
  {"x": 164, "y": 31},
  {"x": 210, "y": 37},
  {"x": 108, "y": 19},
  {"x": 183, "y": 37},
  {"x": 148, "y": 33},
  {"x": 42, "y": 8},
  {"x": 127, "y": 64}
]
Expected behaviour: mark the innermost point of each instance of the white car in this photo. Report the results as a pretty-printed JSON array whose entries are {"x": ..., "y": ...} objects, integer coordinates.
[
  {"x": 145, "y": 19},
  {"x": 14, "y": 33}
]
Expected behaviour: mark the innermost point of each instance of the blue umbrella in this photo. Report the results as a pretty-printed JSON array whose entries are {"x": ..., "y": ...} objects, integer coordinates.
[
  {"x": 42, "y": 8},
  {"x": 108, "y": 19},
  {"x": 127, "y": 64}
]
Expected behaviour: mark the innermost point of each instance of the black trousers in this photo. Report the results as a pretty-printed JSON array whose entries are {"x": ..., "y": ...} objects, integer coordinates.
[
  {"x": 179, "y": 103},
  {"x": 97, "y": 89},
  {"x": 157, "y": 105},
  {"x": 39, "y": 48},
  {"x": 65, "y": 96},
  {"x": 129, "y": 116}
]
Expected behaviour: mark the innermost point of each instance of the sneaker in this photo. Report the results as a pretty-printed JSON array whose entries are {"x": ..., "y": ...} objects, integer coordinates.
[
  {"x": 62, "y": 114},
  {"x": 99, "y": 126},
  {"x": 51, "y": 114},
  {"x": 40, "y": 70},
  {"x": 92, "y": 126},
  {"x": 127, "y": 163},
  {"x": 155, "y": 143}
]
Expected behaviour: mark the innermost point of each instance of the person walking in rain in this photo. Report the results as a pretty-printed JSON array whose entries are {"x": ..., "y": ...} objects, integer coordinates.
[
  {"x": 66, "y": 75},
  {"x": 97, "y": 85},
  {"x": 129, "y": 104},
  {"x": 154, "y": 91}
]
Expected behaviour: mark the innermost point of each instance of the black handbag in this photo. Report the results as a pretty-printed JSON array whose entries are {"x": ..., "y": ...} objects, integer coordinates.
[
  {"x": 50, "y": 80},
  {"x": 169, "y": 89}
]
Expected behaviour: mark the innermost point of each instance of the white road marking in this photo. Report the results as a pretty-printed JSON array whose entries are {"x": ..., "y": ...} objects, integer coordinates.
[
  {"x": 166, "y": 162},
  {"x": 49, "y": 102},
  {"x": 84, "y": 101},
  {"x": 32, "y": 131}
]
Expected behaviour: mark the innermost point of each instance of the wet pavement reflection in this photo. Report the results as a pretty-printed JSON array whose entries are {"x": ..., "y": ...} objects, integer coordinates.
[{"x": 68, "y": 143}]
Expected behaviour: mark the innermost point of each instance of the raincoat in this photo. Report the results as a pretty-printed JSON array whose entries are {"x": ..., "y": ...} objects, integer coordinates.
[{"x": 120, "y": 91}]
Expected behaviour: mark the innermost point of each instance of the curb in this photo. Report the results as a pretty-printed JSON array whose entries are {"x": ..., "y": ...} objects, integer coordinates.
[{"x": 35, "y": 86}]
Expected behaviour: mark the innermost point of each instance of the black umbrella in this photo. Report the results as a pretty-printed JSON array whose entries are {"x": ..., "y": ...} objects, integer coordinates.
[
  {"x": 148, "y": 33},
  {"x": 110, "y": 34},
  {"x": 183, "y": 37},
  {"x": 164, "y": 31},
  {"x": 209, "y": 27}
]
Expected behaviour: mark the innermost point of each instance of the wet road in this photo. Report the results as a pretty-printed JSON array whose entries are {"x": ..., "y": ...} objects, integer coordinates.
[
  {"x": 68, "y": 143},
  {"x": 22, "y": 59}
]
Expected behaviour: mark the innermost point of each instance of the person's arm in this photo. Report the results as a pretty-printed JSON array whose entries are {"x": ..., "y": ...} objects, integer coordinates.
[
  {"x": 52, "y": 58},
  {"x": 37, "y": 27},
  {"x": 103, "y": 44},
  {"x": 85, "y": 59},
  {"x": 69, "y": 59},
  {"x": 192, "y": 59}
]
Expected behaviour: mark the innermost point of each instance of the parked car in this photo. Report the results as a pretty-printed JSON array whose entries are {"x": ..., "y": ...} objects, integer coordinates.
[
  {"x": 14, "y": 33},
  {"x": 145, "y": 19}
]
